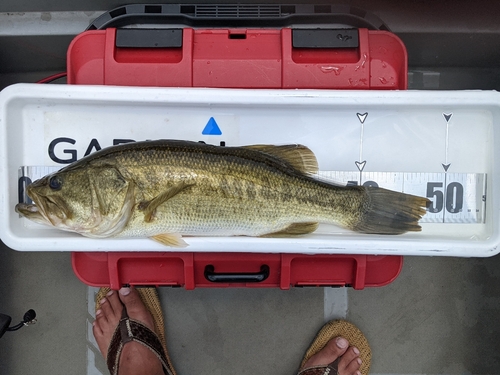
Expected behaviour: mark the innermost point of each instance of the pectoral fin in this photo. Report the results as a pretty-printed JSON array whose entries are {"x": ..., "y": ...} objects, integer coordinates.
[
  {"x": 150, "y": 207},
  {"x": 170, "y": 239},
  {"x": 294, "y": 230}
]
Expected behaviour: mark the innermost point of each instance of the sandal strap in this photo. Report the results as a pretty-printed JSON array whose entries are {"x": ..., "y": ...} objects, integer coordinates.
[
  {"x": 331, "y": 369},
  {"x": 132, "y": 330}
]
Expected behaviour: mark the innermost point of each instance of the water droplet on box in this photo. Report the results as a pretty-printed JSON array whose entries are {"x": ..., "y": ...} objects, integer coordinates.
[
  {"x": 365, "y": 57},
  {"x": 329, "y": 69}
]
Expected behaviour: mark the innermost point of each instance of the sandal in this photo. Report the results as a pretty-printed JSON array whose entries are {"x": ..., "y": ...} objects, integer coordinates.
[
  {"x": 132, "y": 330},
  {"x": 329, "y": 331}
]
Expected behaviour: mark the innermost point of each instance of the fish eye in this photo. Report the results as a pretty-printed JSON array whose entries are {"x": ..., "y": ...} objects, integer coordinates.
[{"x": 55, "y": 182}]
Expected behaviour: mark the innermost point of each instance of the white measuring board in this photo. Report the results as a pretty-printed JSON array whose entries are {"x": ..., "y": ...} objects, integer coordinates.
[
  {"x": 441, "y": 145},
  {"x": 456, "y": 197}
]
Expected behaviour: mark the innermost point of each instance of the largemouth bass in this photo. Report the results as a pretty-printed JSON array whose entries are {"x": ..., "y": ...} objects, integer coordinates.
[{"x": 168, "y": 188}]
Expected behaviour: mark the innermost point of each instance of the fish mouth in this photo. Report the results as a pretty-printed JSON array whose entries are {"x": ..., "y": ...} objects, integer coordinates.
[
  {"x": 44, "y": 210},
  {"x": 31, "y": 211}
]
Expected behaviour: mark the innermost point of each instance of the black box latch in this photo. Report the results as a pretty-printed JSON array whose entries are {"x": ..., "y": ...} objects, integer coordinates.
[
  {"x": 325, "y": 38},
  {"x": 148, "y": 38}
]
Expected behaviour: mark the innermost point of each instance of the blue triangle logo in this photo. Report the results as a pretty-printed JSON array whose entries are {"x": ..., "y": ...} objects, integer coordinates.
[{"x": 211, "y": 128}]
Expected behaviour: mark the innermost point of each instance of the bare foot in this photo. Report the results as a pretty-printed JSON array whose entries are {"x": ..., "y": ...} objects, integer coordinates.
[
  {"x": 135, "y": 358},
  {"x": 338, "y": 347}
]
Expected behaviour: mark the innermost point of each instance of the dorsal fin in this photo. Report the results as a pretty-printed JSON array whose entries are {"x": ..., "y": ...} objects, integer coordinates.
[{"x": 298, "y": 156}]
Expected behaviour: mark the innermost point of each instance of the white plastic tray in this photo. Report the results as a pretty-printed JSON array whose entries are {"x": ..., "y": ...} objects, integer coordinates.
[{"x": 405, "y": 137}]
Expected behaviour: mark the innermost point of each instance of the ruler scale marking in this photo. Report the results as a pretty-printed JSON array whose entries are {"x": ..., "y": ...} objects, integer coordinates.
[{"x": 457, "y": 197}]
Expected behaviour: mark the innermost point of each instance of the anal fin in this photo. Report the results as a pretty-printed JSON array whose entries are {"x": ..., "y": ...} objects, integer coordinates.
[
  {"x": 170, "y": 239},
  {"x": 294, "y": 229}
]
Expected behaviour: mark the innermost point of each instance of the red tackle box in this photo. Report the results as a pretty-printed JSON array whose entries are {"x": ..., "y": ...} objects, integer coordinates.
[{"x": 232, "y": 54}]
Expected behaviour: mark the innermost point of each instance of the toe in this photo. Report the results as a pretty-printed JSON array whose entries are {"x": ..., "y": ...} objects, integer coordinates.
[
  {"x": 109, "y": 314},
  {"x": 333, "y": 349},
  {"x": 135, "y": 307},
  {"x": 106, "y": 308},
  {"x": 115, "y": 303},
  {"x": 350, "y": 362},
  {"x": 350, "y": 355},
  {"x": 101, "y": 318},
  {"x": 102, "y": 330},
  {"x": 131, "y": 299},
  {"x": 96, "y": 329},
  {"x": 352, "y": 368}
]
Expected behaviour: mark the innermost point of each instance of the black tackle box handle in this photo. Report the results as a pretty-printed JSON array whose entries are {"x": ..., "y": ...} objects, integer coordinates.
[
  {"x": 239, "y": 15},
  {"x": 257, "y": 277}
]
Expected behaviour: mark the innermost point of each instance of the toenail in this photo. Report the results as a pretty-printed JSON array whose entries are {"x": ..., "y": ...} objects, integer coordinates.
[
  {"x": 355, "y": 350},
  {"x": 98, "y": 312},
  {"x": 359, "y": 361},
  {"x": 102, "y": 301},
  {"x": 109, "y": 293},
  {"x": 124, "y": 291},
  {"x": 342, "y": 343}
]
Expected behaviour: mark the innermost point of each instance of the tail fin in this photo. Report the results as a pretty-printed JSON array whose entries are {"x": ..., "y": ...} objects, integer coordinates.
[{"x": 390, "y": 212}]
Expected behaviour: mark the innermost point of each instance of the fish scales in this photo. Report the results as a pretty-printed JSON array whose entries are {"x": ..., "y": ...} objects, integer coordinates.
[{"x": 226, "y": 198}]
